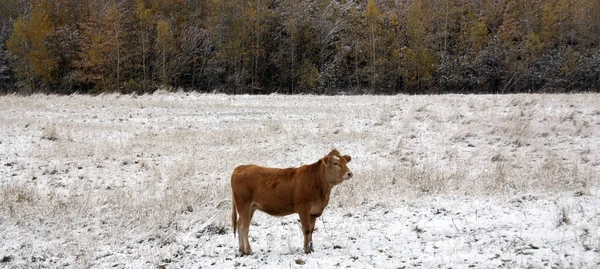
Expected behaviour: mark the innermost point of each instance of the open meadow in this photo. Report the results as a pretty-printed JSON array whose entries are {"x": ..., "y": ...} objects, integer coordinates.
[{"x": 448, "y": 181}]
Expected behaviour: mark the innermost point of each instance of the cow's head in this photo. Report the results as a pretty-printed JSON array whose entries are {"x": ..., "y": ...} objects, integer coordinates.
[{"x": 336, "y": 167}]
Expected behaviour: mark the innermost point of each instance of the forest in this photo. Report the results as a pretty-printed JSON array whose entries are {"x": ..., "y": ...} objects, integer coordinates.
[{"x": 299, "y": 47}]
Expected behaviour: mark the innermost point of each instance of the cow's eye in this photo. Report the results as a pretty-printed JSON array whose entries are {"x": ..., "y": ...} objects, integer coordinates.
[{"x": 336, "y": 164}]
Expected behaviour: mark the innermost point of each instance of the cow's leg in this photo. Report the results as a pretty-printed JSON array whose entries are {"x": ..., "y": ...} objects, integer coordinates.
[
  {"x": 244, "y": 226},
  {"x": 306, "y": 229},
  {"x": 240, "y": 239},
  {"x": 313, "y": 220},
  {"x": 240, "y": 230},
  {"x": 246, "y": 239}
]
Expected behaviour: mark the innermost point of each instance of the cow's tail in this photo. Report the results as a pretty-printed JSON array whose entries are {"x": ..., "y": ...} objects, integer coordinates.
[{"x": 233, "y": 215}]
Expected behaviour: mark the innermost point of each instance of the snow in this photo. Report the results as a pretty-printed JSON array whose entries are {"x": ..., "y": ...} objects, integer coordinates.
[{"x": 449, "y": 181}]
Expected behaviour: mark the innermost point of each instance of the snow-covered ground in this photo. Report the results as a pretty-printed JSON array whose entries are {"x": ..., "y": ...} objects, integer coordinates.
[{"x": 451, "y": 181}]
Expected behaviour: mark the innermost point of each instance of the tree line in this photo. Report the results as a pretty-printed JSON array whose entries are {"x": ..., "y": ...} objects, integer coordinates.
[{"x": 300, "y": 46}]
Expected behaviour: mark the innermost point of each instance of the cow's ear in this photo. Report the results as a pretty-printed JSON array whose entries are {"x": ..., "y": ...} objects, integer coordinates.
[
  {"x": 348, "y": 158},
  {"x": 325, "y": 160}
]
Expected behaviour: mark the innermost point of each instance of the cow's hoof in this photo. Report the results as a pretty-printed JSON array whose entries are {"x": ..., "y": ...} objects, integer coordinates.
[
  {"x": 245, "y": 253},
  {"x": 309, "y": 248}
]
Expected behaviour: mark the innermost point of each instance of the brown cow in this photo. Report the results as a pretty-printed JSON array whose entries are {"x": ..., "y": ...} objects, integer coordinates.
[{"x": 304, "y": 190}]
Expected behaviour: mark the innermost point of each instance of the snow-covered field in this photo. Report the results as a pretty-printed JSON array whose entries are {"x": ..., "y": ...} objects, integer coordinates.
[{"x": 451, "y": 181}]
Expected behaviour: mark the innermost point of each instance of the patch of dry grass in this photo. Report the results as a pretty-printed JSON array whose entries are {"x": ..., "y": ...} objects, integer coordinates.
[{"x": 149, "y": 167}]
